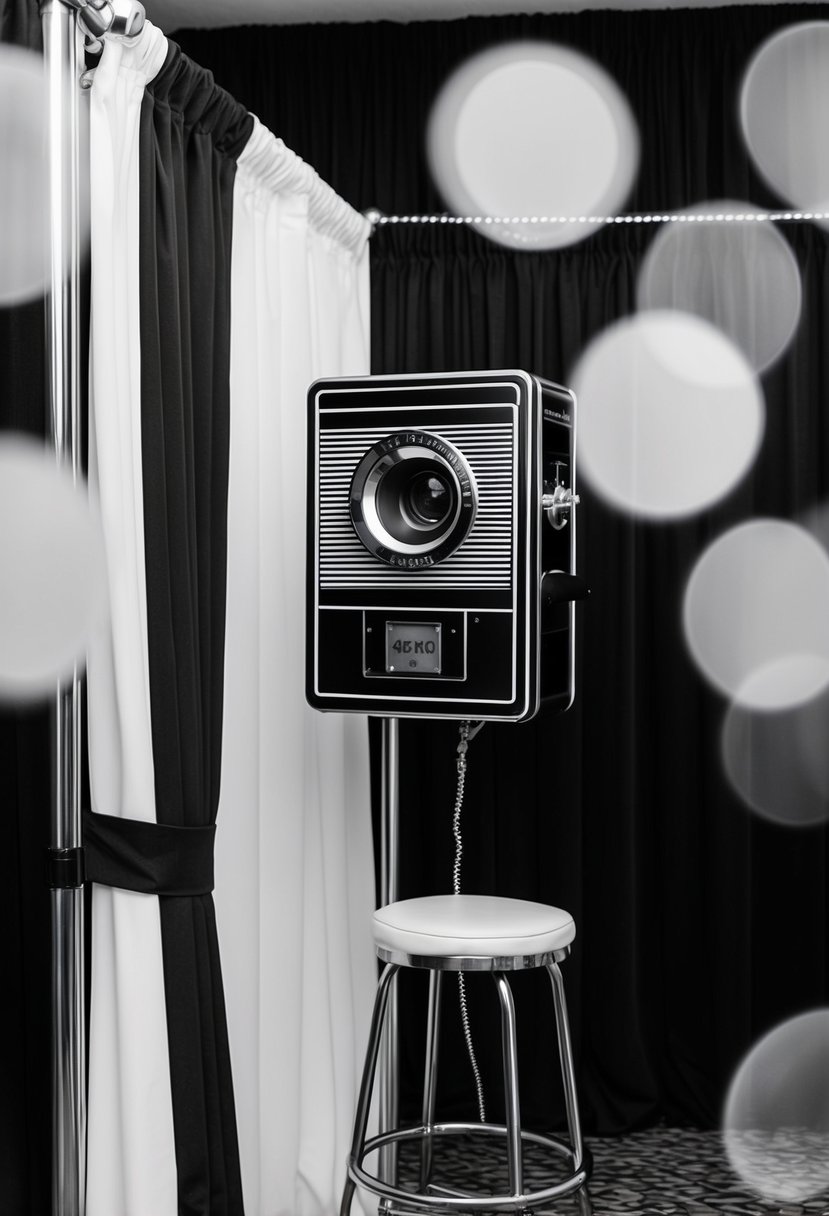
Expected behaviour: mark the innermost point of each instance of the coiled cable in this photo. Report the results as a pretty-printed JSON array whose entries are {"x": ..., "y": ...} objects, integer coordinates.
[{"x": 467, "y": 733}]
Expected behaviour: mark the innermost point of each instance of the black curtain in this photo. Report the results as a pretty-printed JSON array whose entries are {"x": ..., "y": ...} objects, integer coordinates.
[
  {"x": 25, "y": 1103},
  {"x": 20, "y": 23},
  {"x": 191, "y": 134},
  {"x": 700, "y": 926}
]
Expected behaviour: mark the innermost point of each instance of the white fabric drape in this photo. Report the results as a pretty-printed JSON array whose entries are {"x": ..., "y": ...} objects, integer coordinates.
[
  {"x": 131, "y": 1155},
  {"x": 294, "y": 870}
]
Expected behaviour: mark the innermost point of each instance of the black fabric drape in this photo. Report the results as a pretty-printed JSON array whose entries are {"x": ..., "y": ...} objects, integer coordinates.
[
  {"x": 20, "y": 23},
  {"x": 700, "y": 926},
  {"x": 191, "y": 134},
  {"x": 353, "y": 99},
  {"x": 25, "y": 1010}
]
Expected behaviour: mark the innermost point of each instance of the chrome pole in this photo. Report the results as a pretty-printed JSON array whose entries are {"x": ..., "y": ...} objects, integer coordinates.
[
  {"x": 389, "y": 850},
  {"x": 60, "y": 44}
]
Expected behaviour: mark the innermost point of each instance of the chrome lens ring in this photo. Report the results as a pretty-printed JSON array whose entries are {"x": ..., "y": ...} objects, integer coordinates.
[{"x": 413, "y": 499}]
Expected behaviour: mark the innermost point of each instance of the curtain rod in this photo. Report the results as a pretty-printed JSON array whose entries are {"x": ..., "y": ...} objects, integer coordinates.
[{"x": 377, "y": 218}]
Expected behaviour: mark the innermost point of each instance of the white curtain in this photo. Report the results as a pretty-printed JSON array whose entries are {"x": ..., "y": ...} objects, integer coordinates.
[
  {"x": 131, "y": 1155},
  {"x": 294, "y": 870}
]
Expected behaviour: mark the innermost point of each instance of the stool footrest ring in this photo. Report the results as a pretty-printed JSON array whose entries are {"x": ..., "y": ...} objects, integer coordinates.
[{"x": 456, "y": 1202}]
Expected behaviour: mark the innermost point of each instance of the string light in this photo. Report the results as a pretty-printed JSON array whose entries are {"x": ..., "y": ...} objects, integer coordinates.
[{"x": 377, "y": 218}]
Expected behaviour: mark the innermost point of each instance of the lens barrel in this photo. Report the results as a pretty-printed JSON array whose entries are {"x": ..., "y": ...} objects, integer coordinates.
[{"x": 413, "y": 499}]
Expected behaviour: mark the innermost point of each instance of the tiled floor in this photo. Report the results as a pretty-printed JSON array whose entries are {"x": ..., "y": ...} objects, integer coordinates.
[
  {"x": 660, "y": 1172},
  {"x": 668, "y": 1170}
]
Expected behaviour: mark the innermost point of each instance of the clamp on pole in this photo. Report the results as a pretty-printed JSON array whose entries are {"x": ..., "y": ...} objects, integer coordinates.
[
  {"x": 65, "y": 869},
  {"x": 99, "y": 19}
]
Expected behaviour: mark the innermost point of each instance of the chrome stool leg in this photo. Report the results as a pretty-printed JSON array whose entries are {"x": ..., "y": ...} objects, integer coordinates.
[
  {"x": 430, "y": 1078},
  {"x": 511, "y": 1104},
  {"x": 568, "y": 1071},
  {"x": 367, "y": 1083}
]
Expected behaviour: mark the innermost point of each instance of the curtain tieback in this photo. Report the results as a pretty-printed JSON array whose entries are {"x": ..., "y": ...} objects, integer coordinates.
[{"x": 154, "y": 858}]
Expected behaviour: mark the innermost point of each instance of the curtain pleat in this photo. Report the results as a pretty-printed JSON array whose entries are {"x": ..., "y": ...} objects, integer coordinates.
[
  {"x": 353, "y": 99},
  {"x": 191, "y": 134},
  {"x": 131, "y": 1160},
  {"x": 294, "y": 873}
]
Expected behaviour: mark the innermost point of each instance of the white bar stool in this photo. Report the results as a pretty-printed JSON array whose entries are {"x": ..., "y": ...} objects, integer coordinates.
[{"x": 468, "y": 933}]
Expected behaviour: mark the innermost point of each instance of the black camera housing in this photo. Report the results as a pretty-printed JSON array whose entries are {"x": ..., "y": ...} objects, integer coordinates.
[{"x": 441, "y": 574}]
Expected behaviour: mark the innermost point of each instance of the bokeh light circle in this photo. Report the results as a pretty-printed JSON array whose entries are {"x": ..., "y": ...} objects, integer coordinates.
[
  {"x": 532, "y": 129},
  {"x": 784, "y": 101},
  {"x": 776, "y": 1115},
  {"x": 24, "y": 197},
  {"x": 777, "y": 762},
  {"x": 740, "y": 276},
  {"x": 670, "y": 414},
  {"x": 54, "y": 578},
  {"x": 756, "y": 614}
]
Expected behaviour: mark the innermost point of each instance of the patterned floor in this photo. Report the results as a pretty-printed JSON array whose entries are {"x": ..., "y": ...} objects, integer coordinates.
[{"x": 660, "y": 1172}]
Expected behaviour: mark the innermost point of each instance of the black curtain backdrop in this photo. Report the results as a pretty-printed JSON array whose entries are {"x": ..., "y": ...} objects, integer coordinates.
[
  {"x": 20, "y": 23},
  {"x": 25, "y": 1104},
  {"x": 191, "y": 135},
  {"x": 700, "y": 926}
]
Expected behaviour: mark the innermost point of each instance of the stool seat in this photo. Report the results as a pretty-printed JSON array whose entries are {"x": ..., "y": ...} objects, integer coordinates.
[{"x": 490, "y": 928}]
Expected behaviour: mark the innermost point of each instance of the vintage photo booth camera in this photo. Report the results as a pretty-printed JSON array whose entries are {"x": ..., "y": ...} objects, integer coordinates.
[{"x": 442, "y": 573}]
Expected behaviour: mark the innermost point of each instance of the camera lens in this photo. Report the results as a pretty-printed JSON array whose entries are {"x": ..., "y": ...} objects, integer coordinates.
[
  {"x": 415, "y": 498},
  {"x": 412, "y": 499},
  {"x": 428, "y": 500}
]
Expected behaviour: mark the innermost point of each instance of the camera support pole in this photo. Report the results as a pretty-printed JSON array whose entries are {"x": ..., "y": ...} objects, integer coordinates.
[{"x": 389, "y": 823}]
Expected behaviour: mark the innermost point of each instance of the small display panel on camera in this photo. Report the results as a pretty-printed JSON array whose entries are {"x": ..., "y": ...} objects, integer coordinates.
[{"x": 413, "y": 648}]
